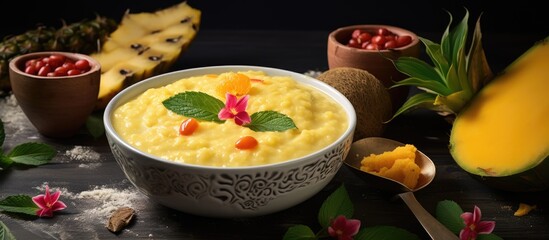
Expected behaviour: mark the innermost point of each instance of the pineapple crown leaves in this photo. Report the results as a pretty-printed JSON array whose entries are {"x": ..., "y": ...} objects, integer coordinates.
[
  {"x": 455, "y": 76},
  {"x": 83, "y": 37}
]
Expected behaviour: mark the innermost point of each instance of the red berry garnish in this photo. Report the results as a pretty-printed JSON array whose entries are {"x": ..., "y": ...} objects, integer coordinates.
[
  {"x": 381, "y": 38},
  {"x": 56, "y": 65}
]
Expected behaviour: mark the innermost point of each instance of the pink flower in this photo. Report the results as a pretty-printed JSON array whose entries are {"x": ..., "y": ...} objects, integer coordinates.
[
  {"x": 343, "y": 228},
  {"x": 48, "y": 203},
  {"x": 235, "y": 108},
  {"x": 473, "y": 225}
]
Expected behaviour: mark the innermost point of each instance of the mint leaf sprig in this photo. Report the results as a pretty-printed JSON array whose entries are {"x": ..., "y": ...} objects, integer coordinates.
[
  {"x": 202, "y": 106},
  {"x": 31, "y": 153},
  {"x": 19, "y": 204},
  {"x": 5, "y": 233}
]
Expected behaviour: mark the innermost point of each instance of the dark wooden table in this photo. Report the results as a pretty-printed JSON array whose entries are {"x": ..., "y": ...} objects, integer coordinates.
[{"x": 297, "y": 51}]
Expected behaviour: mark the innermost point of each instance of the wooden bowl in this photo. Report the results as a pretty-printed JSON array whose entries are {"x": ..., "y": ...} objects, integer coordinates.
[
  {"x": 377, "y": 62},
  {"x": 58, "y": 107}
]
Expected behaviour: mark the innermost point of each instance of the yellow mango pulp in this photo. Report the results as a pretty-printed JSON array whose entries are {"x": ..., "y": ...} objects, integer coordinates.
[
  {"x": 398, "y": 164},
  {"x": 523, "y": 209}
]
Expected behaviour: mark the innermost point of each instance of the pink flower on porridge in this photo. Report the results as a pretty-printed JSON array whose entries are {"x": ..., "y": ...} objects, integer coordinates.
[{"x": 235, "y": 108}]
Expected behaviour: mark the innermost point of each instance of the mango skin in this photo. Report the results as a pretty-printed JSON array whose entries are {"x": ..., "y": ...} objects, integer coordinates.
[{"x": 532, "y": 180}]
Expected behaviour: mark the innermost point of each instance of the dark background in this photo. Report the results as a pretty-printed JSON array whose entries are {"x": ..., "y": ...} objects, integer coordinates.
[
  {"x": 514, "y": 17},
  {"x": 509, "y": 30},
  {"x": 500, "y": 21}
]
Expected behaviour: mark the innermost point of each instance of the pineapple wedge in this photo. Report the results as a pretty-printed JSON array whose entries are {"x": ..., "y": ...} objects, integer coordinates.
[{"x": 144, "y": 45}]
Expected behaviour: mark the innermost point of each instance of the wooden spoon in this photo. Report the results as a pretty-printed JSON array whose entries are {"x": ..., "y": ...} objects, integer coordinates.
[{"x": 376, "y": 145}]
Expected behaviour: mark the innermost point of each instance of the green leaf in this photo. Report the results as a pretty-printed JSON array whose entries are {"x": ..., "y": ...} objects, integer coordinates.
[
  {"x": 417, "y": 68},
  {"x": 448, "y": 213},
  {"x": 32, "y": 154},
  {"x": 434, "y": 51},
  {"x": 265, "y": 121},
  {"x": 299, "y": 232},
  {"x": 445, "y": 42},
  {"x": 95, "y": 126},
  {"x": 418, "y": 100},
  {"x": 453, "y": 102},
  {"x": 458, "y": 38},
  {"x": 384, "y": 233},
  {"x": 461, "y": 74},
  {"x": 426, "y": 85},
  {"x": 196, "y": 105},
  {"x": 5, "y": 233},
  {"x": 5, "y": 161},
  {"x": 19, "y": 204},
  {"x": 338, "y": 203},
  {"x": 490, "y": 236},
  {"x": 479, "y": 72},
  {"x": 462, "y": 78},
  {"x": 453, "y": 79},
  {"x": 2, "y": 135}
]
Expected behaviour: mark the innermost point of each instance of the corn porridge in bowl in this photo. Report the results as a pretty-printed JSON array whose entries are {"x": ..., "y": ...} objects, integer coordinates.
[{"x": 230, "y": 141}]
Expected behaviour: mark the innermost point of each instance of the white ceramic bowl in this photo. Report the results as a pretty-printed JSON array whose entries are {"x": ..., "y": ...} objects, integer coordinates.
[{"x": 228, "y": 192}]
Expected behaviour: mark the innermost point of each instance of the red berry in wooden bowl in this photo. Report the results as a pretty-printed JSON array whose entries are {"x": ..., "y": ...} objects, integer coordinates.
[
  {"x": 371, "y": 48},
  {"x": 377, "y": 39},
  {"x": 57, "y": 91},
  {"x": 56, "y": 65}
]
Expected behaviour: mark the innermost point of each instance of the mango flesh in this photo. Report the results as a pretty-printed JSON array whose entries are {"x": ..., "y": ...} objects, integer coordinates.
[
  {"x": 505, "y": 129},
  {"x": 523, "y": 209},
  {"x": 398, "y": 164}
]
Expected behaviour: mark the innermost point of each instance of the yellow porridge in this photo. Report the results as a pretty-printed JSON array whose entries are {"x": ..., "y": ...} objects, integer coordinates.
[{"x": 283, "y": 118}]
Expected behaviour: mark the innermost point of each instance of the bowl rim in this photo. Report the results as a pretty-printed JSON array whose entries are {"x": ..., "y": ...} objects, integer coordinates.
[
  {"x": 19, "y": 60},
  {"x": 332, "y": 37},
  {"x": 166, "y": 78}
]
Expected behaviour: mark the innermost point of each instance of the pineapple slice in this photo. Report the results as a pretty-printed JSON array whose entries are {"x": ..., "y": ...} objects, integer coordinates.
[
  {"x": 180, "y": 13},
  {"x": 144, "y": 45},
  {"x": 126, "y": 33},
  {"x": 120, "y": 76},
  {"x": 110, "y": 59},
  {"x": 132, "y": 69},
  {"x": 168, "y": 23}
]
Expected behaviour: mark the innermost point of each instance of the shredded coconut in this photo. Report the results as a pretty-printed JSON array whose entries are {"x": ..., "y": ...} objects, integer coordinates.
[
  {"x": 12, "y": 115},
  {"x": 90, "y": 208},
  {"x": 82, "y": 153},
  {"x": 89, "y": 158},
  {"x": 101, "y": 200},
  {"x": 506, "y": 207},
  {"x": 312, "y": 73},
  {"x": 107, "y": 200},
  {"x": 89, "y": 165}
]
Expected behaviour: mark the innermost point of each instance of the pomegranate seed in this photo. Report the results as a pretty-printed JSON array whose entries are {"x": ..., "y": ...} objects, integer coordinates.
[{"x": 246, "y": 142}]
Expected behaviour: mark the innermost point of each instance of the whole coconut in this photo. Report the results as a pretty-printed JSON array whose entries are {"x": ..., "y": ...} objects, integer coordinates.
[{"x": 368, "y": 95}]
